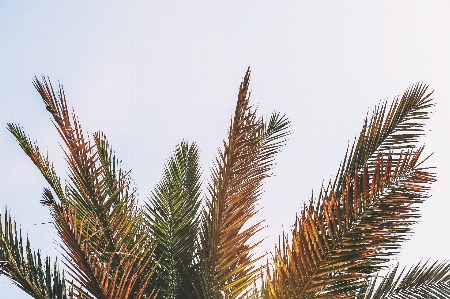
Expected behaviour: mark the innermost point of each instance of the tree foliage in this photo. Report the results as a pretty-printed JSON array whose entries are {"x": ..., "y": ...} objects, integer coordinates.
[{"x": 182, "y": 244}]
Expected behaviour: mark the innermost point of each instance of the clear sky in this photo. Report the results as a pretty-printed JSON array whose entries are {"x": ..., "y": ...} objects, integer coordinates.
[{"x": 150, "y": 74}]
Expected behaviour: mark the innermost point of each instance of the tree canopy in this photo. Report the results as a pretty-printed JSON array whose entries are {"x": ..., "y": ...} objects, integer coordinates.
[{"x": 181, "y": 243}]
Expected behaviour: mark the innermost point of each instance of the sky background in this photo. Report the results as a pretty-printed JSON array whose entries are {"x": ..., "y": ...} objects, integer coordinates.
[{"x": 150, "y": 74}]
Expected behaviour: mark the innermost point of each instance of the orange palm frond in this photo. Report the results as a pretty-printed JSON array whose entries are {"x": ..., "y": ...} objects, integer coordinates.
[
  {"x": 229, "y": 267},
  {"x": 349, "y": 236},
  {"x": 95, "y": 208}
]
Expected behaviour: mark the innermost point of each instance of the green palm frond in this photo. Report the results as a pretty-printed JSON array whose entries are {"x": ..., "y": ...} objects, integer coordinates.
[
  {"x": 357, "y": 225},
  {"x": 116, "y": 179},
  {"x": 173, "y": 218},
  {"x": 106, "y": 243},
  {"x": 228, "y": 267},
  {"x": 272, "y": 135},
  {"x": 421, "y": 281},
  {"x": 26, "y": 269},
  {"x": 389, "y": 131},
  {"x": 118, "y": 182},
  {"x": 42, "y": 162}
]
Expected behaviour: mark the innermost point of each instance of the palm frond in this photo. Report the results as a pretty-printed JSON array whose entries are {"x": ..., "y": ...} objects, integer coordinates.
[
  {"x": 116, "y": 179},
  {"x": 354, "y": 227},
  {"x": 26, "y": 269},
  {"x": 42, "y": 162},
  {"x": 173, "y": 218},
  {"x": 247, "y": 157},
  {"x": 118, "y": 183},
  {"x": 389, "y": 131},
  {"x": 96, "y": 211},
  {"x": 91, "y": 263},
  {"x": 421, "y": 281}
]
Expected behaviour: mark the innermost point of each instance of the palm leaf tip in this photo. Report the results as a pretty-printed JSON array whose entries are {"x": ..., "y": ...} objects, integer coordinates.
[
  {"x": 31, "y": 149},
  {"x": 392, "y": 130}
]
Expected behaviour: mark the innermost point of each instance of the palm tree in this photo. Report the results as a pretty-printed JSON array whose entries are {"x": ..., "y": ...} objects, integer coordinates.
[{"x": 182, "y": 244}]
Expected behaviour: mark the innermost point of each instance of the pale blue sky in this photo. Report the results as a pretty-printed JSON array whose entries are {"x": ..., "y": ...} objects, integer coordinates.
[{"x": 150, "y": 74}]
